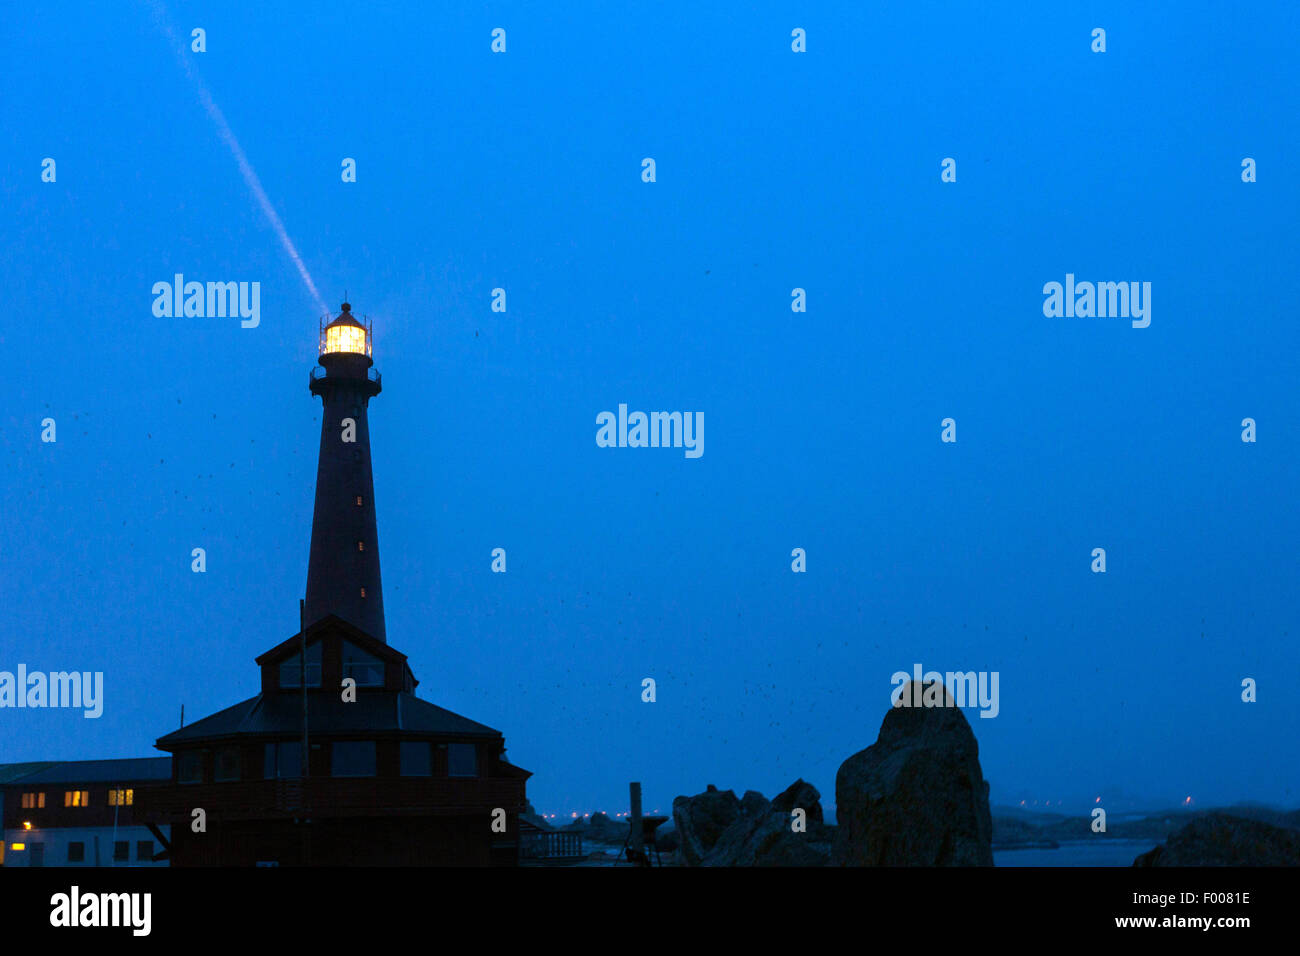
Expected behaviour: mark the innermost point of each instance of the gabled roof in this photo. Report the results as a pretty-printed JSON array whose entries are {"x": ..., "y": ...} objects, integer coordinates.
[
  {"x": 330, "y": 623},
  {"x": 280, "y": 715},
  {"x": 102, "y": 771},
  {"x": 290, "y": 645}
]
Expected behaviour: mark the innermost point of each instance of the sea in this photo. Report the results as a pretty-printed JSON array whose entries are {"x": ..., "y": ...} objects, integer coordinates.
[{"x": 1077, "y": 853}]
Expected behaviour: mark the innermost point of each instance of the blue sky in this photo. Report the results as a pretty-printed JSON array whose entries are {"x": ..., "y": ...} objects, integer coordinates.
[{"x": 775, "y": 170}]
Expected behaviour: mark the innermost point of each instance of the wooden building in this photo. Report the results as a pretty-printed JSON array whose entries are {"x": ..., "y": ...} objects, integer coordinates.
[{"x": 79, "y": 813}]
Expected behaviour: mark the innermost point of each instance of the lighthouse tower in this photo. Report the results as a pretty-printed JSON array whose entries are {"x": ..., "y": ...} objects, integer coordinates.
[{"x": 343, "y": 570}]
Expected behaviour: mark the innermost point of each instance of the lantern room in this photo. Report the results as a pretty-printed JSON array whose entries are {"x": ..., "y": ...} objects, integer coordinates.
[{"x": 345, "y": 335}]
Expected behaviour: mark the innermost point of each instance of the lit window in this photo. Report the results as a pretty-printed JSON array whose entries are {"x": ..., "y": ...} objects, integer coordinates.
[
  {"x": 358, "y": 501},
  {"x": 291, "y": 668},
  {"x": 121, "y": 798},
  {"x": 352, "y": 758},
  {"x": 17, "y": 847},
  {"x": 361, "y": 546},
  {"x": 76, "y": 852},
  {"x": 121, "y": 850},
  {"x": 76, "y": 798},
  {"x": 363, "y": 592},
  {"x": 33, "y": 801},
  {"x": 462, "y": 760}
]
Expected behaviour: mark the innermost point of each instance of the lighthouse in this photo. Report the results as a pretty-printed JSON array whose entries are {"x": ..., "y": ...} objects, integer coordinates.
[
  {"x": 336, "y": 761},
  {"x": 343, "y": 567}
]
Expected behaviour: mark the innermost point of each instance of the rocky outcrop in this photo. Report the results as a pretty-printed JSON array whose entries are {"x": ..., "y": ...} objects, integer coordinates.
[
  {"x": 767, "y": 837},
  {"x": 602, "y": 829},
  {"x": 700, "y": 821},
  {"x": 917, "y": 796},
  {"x": 1219, "y": 839},
  {"x": 760, "y": 833}
]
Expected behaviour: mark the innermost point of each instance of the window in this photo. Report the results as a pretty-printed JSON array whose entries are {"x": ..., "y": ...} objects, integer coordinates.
[
  {"x": 366, "y": 669},
  {"x": 291, "y": 668},
  {"x": 358, "y": 501},
  {"x": 283, "y": 759},
  {"x": 121, "y": 851},
  {"x": 121, "y": 798},
  {"x": 76, "y": 798},
  {"x": 352, "y": 758},
  {"x": 76, "y": 852},
  {"x": 417, "y": 758},
  {"x": 227, "y": 764},
  {"x": 363, "y": 592},
  {"x": 462, "y": 760},
  {"x": 190, "y": 767},
  {"x": 361, "y": 546},
  {"x": 33, "y": 801},
  {"x": 144, "y": 850}
]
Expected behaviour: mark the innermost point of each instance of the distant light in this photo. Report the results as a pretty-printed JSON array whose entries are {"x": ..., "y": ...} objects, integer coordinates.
[
  {"x": 1098, "y": 800},
  {"x": 1187, "y": 802},
  {"x": 26, "y": 825}
]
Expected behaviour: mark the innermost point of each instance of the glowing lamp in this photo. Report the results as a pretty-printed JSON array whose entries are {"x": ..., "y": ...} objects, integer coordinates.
[
  {"x": 27, "y": 825},
  {"x": 345, "y": 335}
]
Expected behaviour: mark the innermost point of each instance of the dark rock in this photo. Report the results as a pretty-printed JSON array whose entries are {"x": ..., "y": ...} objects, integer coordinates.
[
  {"x": 753, "y": 803},
  {"x": 667, "y": 840},
  {"x": 700, "y": 820},
  {"x": 799, "y": 796},
  {"x": 917, "y": 796},
  {"x": 602, "y": 829},
  {"x": 767, "y": 838},
  {"x": 1222, "y": 840}
]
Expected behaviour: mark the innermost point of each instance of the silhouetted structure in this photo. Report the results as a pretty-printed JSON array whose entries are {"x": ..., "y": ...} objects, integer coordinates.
[{"x": 389, "y": 779}]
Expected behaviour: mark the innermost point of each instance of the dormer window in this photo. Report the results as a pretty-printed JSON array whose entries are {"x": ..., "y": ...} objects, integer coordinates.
[
  {"x": 365, "y": 668},
  {"x": 291, "y": 668}
]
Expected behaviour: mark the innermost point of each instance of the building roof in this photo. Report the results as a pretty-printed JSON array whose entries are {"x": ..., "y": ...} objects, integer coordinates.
[
  {"x": 101, "y": 771},
  {"x": 10, "y": 772},
  {"x": 280, "y": 715}
]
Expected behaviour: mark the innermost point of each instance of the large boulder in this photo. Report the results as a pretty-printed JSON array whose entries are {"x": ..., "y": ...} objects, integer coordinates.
[
  {"x": 766, "y": 836},
  {"x": 700, "y": 820},
  {"x": 917, "y": 796},
  {"x": 1219, "y": 839}
]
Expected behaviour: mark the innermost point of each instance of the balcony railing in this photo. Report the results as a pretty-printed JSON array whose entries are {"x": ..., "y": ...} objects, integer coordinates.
[{"x": 548, "y": 846}]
